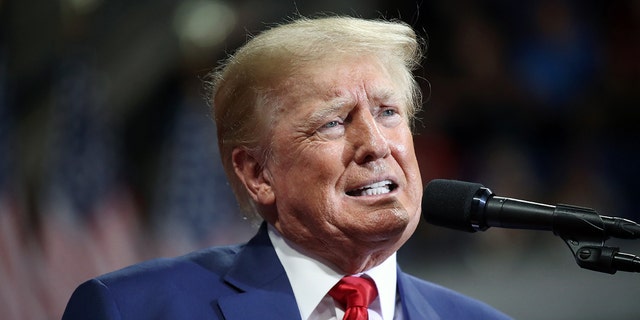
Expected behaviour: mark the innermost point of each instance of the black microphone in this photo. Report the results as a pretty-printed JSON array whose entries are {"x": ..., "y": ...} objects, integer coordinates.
[{"x": 471, "y": 207}]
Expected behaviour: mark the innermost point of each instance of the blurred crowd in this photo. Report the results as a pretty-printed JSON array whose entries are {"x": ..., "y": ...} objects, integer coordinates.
[
  {"x": 538, "y": 99},
  {"x": 108, "y": 155}
]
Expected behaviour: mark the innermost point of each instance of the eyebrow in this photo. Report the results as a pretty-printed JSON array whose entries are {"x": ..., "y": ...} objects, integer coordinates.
[
  {"x": 333, "y": 106},
  {"x": 338, "y": 103},
  {"x": 385, "y": 94}
]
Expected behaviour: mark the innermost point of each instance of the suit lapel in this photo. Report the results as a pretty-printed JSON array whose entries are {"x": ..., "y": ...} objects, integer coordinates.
[
  {"x": 414, "y": 305},
  {"x": 265, "y": 292},
  {"x": 259, "y": 305}
]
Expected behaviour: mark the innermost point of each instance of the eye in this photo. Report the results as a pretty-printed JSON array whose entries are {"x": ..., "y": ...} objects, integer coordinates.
[
  {"x": 331, "y": 124},
  {"x": 389, "y": 112},
  {"x": 389, "y": 117},
  {"x": 331, "y": 130}
]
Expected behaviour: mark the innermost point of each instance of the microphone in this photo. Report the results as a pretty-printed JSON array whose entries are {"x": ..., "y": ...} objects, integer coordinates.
[{"x": 471, "y": 207}]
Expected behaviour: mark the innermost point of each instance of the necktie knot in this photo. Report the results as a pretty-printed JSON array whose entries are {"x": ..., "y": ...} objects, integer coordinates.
[{"x": 354, "y": 294}]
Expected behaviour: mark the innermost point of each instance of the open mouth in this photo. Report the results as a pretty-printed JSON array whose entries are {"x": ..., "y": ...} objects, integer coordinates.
[{"x": 377, "y": 188}]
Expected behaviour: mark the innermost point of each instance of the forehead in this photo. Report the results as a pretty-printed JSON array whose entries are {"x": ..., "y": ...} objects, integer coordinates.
[{"x": 344, "y": 81}]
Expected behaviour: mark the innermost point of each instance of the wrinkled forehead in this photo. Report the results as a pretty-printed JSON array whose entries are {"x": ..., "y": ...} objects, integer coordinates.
[{"x": 341, "y": 81}]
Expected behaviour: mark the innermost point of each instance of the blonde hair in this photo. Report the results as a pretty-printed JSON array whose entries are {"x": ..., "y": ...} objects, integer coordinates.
[{"x": 243, "y": 89}]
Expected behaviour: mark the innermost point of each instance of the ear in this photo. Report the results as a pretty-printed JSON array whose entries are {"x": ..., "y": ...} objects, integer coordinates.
[{"x": 254, "y": 177}]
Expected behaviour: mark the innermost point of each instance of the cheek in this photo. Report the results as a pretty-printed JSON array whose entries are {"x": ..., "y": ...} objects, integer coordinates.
[
  {"x": 409, "y": 163},
  {"x": 318, "y": 163},
  {"x": 306, "y": 171},
  {"x": 406, "y": 152}
]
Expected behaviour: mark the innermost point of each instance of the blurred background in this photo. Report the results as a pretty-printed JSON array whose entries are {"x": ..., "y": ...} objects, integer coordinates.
[{"x": 108, "y": 156}]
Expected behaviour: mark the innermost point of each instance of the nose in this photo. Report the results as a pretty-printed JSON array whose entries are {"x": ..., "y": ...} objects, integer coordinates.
[{"x": 369, "y": 141}]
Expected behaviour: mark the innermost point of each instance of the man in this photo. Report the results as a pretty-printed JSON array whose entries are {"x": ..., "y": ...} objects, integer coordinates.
[{"x": 314, "y": 127}]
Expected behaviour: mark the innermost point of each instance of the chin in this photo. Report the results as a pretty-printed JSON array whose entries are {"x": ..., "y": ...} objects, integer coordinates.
[{"x": 389, "y": 225}]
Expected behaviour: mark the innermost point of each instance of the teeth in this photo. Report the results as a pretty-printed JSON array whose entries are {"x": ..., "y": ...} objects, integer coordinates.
[
  {"x": 379, "y": 184},
  {"x": 381, "y": 187}
]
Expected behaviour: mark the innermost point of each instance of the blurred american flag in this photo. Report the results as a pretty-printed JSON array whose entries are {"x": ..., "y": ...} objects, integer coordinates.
[{"x": 194, "y": 206}]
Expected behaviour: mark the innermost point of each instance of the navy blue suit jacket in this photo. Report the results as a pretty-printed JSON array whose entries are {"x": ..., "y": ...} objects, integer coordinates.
[{"x": 236, "y": 282}]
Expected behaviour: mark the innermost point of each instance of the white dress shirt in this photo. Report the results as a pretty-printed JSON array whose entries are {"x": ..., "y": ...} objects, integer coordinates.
[{"x": 312, "y": 279}]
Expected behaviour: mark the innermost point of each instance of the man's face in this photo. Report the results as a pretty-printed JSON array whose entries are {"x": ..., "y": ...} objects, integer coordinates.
[{"x": 343, "y": 168}]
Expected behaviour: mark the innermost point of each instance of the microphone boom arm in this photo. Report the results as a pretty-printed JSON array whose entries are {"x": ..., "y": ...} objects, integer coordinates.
[{"x": 583, "y": 230}]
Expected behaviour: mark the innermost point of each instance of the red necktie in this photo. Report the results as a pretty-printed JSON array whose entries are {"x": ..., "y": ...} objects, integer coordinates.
[{"x": 354, "y": 294}]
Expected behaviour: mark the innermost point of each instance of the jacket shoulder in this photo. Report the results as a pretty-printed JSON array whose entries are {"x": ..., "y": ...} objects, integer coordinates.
[
  {"x": 165, "y": 288},
  {"x": 211, "y": 262}
]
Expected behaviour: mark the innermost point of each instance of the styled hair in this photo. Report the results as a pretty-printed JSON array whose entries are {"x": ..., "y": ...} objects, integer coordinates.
[{"x": 243, "y": 90}]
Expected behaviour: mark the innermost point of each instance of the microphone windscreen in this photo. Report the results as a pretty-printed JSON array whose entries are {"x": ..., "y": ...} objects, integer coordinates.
[{"x": 447, "y": 203}]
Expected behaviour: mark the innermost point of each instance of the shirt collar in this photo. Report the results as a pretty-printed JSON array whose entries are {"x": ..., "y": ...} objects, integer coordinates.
[{"x": 310, "y": 290}]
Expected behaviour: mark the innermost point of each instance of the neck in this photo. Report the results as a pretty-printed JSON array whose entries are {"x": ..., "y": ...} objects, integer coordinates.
[{"x": 346, "y": 258}]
